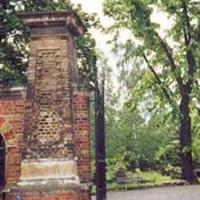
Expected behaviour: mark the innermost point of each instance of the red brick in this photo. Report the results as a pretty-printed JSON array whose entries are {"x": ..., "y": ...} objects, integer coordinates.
[{"x": 54, "y": 110}]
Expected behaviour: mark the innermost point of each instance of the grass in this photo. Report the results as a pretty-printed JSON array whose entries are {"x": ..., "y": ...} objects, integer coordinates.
[
  {"x": 150, "y": 179},
  {"x": 153, "y": 177}
]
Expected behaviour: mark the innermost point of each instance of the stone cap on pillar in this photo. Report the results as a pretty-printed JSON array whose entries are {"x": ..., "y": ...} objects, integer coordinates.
[{"x": 62, "y": 22}]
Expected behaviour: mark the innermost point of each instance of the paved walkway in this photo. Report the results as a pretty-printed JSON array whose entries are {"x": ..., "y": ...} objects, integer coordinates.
[{"x": 167, "y": 193}]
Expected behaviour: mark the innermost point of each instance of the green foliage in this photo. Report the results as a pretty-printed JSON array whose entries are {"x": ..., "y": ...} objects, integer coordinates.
[
  {"x": 170, "y": 63},
  {"x": 12, "y": 46},
  {"x": 136, "y": 17},
  {"x": 140, "y": 137},
  {"x": 153, "y": 177},
  {"x": 149, "y": 179},
  {"x": 13, "y": 41}
]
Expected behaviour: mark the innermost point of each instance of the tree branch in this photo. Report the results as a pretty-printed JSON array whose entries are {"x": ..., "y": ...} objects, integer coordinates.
[
  {"x": 164, "y": 89},
  {"x": 171, "y": 61},
  {"x": 3, "y": 4},
  {"x": 189, "y": 55},
  {"x": 186, "y": 24}
]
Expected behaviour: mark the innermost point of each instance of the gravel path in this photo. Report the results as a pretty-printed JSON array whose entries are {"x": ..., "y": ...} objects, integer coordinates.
[{"x": 167, "y": 193}]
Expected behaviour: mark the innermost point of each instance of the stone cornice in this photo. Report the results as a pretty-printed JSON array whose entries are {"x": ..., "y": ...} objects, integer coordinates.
[{"x": 69, "y": 20}]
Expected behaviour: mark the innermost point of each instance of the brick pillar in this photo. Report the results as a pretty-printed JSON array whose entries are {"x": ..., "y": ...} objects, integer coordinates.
[
  {"x": 49, "y": 168},
  {"x": 82, "y": 140},
  {"x": 81, "y": 127}
]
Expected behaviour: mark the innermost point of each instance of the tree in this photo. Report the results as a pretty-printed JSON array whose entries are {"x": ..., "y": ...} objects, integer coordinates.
[
  {"x": 172, "y": 58},
  {"x": 13, "y": 38}
]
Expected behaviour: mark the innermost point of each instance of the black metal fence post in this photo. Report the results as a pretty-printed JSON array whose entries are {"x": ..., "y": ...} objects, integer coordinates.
[{"x": 100, "y": 138}]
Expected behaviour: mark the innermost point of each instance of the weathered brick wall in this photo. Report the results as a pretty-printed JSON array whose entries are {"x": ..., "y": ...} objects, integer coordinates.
[
  {"x": 81, "y": 136},
  {"x": 85, "y": 195},
  {"x": 41, "y": 195},
  {"x": 81, "y": 129},
  {"x": 53, "y": 195},
  {"x": 12, "y": 109},
  {"x": 48, "y": 119},
  {"x": 12, "y": 104}
]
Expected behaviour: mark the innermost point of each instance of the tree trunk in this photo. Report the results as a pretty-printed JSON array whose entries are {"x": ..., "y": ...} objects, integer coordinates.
[{"x": 187, "y": 164}]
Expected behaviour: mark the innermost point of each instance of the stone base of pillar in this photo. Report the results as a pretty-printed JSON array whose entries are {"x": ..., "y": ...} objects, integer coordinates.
[
  {"x": 50, "y": 194},
  {"x": 48, "y": 179},
  {"x": 48, "y": 172},
  {"x": 70, "y": 193}
]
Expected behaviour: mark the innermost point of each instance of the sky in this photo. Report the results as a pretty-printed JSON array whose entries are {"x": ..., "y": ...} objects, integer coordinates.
[
  {"x": 96, "y": 6},
  {"x": 90, "y": 6}
]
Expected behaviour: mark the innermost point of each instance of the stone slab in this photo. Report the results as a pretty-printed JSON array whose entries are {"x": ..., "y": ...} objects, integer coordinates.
[{"x": 47, "y": 170}]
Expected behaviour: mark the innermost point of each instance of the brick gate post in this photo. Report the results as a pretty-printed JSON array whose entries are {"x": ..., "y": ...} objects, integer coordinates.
[{"x": 55, "y": 154}]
